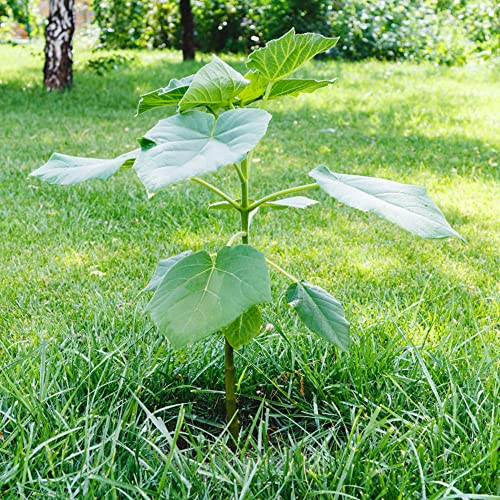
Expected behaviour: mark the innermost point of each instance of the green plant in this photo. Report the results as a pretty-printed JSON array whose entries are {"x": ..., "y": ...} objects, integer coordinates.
[
  {"x": 198, "y": 294},
  {"x": 102, "y": 65}
]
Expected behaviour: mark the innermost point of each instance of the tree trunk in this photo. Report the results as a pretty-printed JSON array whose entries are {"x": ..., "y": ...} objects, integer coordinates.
[
  {"x": 58, "y": 69},
  {"x": 187, "y": 22}
]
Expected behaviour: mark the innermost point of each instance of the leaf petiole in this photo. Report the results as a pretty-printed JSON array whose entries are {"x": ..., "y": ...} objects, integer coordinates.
[
  {"x": 282, "y": 271},
  {"x": 234, "y": 237},
  {"x": 284, "y": 192},
  {"x": 216, "y": 190}
]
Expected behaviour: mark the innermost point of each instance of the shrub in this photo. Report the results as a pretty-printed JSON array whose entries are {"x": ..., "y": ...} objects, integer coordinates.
[{"x": 439, "y": 31}]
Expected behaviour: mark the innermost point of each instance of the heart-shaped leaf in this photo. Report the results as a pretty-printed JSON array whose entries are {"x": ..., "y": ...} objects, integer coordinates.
[
  {"x": 194, "y": 143},
  {"x": 288, "y": 87},
  {"x": 281, "y": 57},
  {"x": 66, "y": 170},
  {"x": 199, "y": 296},
  {"x": 167, "y": 96},
  {"x": 215, "y": 85},
  {"x": 320, "y": 312},
  {"x": 244, "y": 328},
  {"x": 162, "y": 269},
  {"x": 406, "y": 205}
]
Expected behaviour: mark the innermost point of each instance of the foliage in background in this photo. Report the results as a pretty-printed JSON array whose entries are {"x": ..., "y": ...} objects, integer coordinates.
[
  {"x": 439, "y": 31},
  {"x": 102, "y": 65},
  {"x": 14, "y": 9}
]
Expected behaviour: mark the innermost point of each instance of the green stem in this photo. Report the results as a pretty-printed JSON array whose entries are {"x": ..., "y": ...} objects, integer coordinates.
[
  {"x": 238, "y": 171},
  {"x": 231, "y": 405},
  {"x": 266, "y": 94},
  {"x": 230, "y": 372},
  {"x": 273, "y": 196},
  {"x": 282, "y": 271},
  {"x": 217, "y": 191}
]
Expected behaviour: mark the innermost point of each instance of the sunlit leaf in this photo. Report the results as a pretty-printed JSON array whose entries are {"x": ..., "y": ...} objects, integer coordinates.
[
  {"x": 292, "y": 202},
  {"x": 194, "y": 143},
  {"x": 215, "y": 85},
  {"x": 282, "y": 88},
  {"x": 167, "y": 96},
  {"x": 65, "y": 169},
  {"x": 282, "y": 57},
  {"x": 406, "y": 205}
]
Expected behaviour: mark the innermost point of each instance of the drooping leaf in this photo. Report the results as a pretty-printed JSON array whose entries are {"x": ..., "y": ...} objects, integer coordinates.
[
  {"x": 282, "y": 88},
  {"x": 406, "y": 205},
  {"x": 199, "y": 296},
  {"x": 194, "y": 143},
  {"x": 162, "y": 269},
  {"x": 215, "y": 85},
  {"x": 65, "y": 169},
  {"x": 292, "y": 202},
  {"x": 320, "y": 312},
  {"x": 244, "y": 328},
  {"x": 282, "y": 57},
  {"x": 222, "y": 205},
  {"x": 166, "y": 96}
]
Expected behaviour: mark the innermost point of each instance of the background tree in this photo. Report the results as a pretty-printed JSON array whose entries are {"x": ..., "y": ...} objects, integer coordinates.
[
  {"x": 58, "y": 68},
  {"x": 187, "y": 22}
]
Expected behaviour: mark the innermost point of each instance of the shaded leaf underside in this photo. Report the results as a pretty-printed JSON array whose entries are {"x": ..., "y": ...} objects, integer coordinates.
[{"x": 320, "y": 312}]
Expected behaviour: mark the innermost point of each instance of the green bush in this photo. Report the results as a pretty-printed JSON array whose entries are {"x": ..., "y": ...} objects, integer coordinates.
[
  {"x": 122, "y": 23},
  {"x": 442, "y": 31}
]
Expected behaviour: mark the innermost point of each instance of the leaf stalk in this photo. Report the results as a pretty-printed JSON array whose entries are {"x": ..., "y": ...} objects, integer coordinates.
[
  {"x": 217, "y": 191},
  {"x": 283, "y": 192},
  {"x": 282, "y": 271}
]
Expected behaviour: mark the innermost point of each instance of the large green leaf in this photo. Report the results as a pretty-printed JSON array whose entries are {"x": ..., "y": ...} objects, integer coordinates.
[
  {"x": 194, "y": 143},
  {"x": 281, "y": 57},
  {"x": 244, "y": 328},
  {"x": 288, "y": 87},
  {"x": 199, "y": 296},
  {"x": 320, "y": 312},
  {"x": 64, "y": 169},
  {"x": 167, "y": 96},
  {"x": 162, "y": 269},
  {"x": 215, "y": 85},
  {"x": 406, "y": 205}
]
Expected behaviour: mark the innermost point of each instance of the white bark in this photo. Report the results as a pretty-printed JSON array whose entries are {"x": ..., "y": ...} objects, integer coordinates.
[{"x": 58, "y": 69}]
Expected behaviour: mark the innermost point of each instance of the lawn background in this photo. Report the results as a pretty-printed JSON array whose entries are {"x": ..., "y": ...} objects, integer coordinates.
[{"x": 94, "y": 402}]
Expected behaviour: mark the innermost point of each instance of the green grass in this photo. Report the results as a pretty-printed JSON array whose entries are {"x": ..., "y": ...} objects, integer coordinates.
[{"x": 93, "y": 403}]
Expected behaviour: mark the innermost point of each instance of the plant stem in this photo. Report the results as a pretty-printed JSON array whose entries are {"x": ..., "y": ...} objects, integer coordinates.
[
  {"x": 217, "y": 191},
  {"x": 273, "y": 196},
  {"x": 230, "y": 372},
  {"x": 231, "y": 405}
]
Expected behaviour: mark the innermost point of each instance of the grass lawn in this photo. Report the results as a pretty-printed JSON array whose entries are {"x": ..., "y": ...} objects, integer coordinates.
[{"x": 94, "y": 403}]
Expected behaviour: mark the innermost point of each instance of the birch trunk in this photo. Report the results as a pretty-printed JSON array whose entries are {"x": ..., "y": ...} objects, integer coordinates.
[{"x": 58, "y": 69}]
